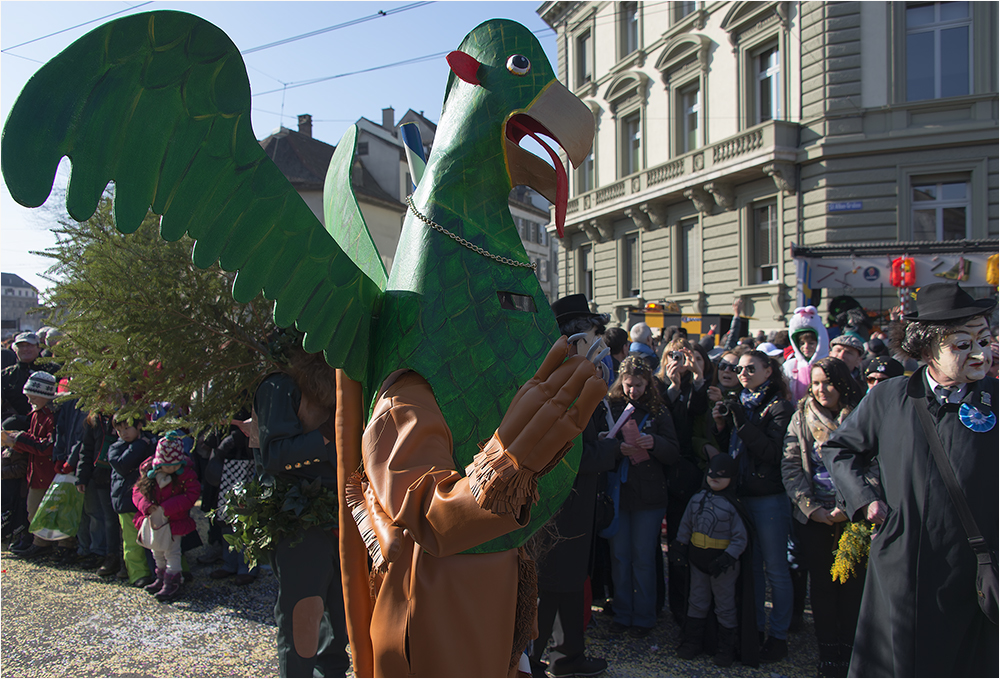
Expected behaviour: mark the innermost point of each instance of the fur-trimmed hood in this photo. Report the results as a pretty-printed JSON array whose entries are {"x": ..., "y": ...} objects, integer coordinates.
[{"x": 807, "y": 318}]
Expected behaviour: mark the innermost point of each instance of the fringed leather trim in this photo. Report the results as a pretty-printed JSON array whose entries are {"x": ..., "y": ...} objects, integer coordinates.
[
  {"x": 496, "y": 482},
  {"x": 355, "y": 495},
  {"x": 526, "y": 611},
  {"x": 388, "y": 534}
]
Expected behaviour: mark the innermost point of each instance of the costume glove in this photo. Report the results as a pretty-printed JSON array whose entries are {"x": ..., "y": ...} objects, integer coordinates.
[
  {"x": 543, "y": 418},
  {"x": 721, "y": 564}
]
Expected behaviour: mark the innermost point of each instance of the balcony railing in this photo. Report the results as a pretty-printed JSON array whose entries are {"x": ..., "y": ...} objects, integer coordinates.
[{"x": 744, "y": 153}]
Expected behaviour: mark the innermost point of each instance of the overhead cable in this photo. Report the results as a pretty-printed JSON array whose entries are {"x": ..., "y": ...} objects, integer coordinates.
[
  {"x": 352, "y": 22},
  {"x": 106, "y": 16}
]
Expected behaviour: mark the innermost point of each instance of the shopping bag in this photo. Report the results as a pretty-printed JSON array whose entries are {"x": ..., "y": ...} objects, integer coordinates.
[
  {"x": 154, "y": 532},
  {"x": 58, "y": 515}
]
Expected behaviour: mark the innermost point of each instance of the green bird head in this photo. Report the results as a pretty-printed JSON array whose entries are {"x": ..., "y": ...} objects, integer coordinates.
[{"x": 502, "y": 89}]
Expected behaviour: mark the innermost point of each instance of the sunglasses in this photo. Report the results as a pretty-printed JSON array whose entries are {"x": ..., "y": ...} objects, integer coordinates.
[
  {"x": 749, "y": 369},
  {"x": 731, "y": 367},
  {"x": 875, "y": 379}
]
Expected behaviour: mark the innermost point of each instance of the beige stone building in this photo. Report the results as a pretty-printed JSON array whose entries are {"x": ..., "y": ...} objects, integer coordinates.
[
  {"x": 727, "y": 131},
  {"x": 19, "y": 297}
]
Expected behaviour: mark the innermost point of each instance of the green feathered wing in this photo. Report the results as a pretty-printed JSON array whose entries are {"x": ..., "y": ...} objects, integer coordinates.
[{"x": 159, "y": 104}]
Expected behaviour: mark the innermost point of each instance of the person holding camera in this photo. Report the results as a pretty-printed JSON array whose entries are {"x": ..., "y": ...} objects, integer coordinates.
[
  {"x": 752, "y": 429},
  {"x": 683, "y": 379}
]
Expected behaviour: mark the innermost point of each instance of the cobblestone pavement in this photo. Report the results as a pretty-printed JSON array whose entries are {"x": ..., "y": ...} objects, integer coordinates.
[{"x": 57, "y": 620}]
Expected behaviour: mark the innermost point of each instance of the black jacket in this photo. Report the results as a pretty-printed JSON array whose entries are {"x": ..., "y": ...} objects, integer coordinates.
[
  {"x": 920, "y": 615},
  {"x": 646, "y": 486},
  {"x": 12, "y": 383},
  {"x": 125, "y": 459},
  {"x": 563, "y": 565},
  {"x": 93, "y": 450},
  {"x": 764, "y": 435}
]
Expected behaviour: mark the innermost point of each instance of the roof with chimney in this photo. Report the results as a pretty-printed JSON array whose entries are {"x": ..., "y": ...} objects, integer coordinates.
[{"x": 304, "y": 160}]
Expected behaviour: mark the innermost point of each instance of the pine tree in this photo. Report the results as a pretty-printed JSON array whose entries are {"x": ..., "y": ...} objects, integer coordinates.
[{"x": 141, "y": 323}]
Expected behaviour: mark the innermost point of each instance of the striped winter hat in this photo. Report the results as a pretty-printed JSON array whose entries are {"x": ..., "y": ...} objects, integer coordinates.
[
  {"x": 169, "y": 450},
  {"x": 40, "y": 383}
]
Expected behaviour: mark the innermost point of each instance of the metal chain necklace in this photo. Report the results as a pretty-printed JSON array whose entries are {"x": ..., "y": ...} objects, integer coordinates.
[{"x": 461, "y": 241}]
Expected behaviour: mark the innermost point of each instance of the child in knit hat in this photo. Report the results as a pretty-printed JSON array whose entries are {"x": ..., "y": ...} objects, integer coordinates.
[
  {"x": 166, "y": 491},
  {"x": 36, "y": 444}
]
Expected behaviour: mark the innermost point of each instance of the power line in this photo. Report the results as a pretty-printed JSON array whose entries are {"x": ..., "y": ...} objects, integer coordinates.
[
  {"x": 314, "y": 81},
  {"x": 127, "y": 9},
  {"x": 352, "y": 22},
  {"x": 405, "y": 62}
]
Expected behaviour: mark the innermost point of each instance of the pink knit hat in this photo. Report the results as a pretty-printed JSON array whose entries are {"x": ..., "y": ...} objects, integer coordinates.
[{"x": 169, "y": 451}]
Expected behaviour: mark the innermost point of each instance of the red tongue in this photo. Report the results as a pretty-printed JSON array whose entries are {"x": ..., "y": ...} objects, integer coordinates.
[{"x": 562, "y": 184}]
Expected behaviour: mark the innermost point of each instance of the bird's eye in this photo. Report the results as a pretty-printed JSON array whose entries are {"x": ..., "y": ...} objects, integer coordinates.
[{"x": 518, "y": 64}]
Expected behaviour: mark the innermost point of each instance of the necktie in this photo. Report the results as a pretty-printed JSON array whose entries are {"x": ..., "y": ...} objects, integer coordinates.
[{"x": 943, "y": 393}]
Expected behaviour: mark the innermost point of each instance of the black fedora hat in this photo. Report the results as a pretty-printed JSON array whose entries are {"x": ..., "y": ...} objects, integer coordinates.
[
  {"x": 942, "y": 302},
  {"x": 572, "y": 306}
]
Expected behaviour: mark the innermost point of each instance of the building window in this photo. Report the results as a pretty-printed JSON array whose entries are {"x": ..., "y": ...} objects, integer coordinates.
[
  {"x": 631, "y": 144},
  {"x": 584, "y": 59},
  {"x": 767, "y": 79},
  {"x": 628, "y": 17},
  {"x": 586, "y": 285},
  {"x": 585, "y": 174},
  {"x": 765, "y": 245},
  {"x": 938, "y": 50},
  {"x": 362, "y": 148},
  {"x": 631, "y": 274},
  {"x": 940, "y": 210},
  {"x": 543, "y": 270},
  {"x": 689, "y": 112},
  {"x": 684, "y": 273},
  {"x": 683, "y": 9}
]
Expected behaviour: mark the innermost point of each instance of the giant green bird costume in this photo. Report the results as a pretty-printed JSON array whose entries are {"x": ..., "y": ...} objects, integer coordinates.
[{"x": 462, "y": 306}]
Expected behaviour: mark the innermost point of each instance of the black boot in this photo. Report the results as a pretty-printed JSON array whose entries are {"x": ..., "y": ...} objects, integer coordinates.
[
  {"x": 692, "y": 638},
  {"x": 727, "y": 647}
]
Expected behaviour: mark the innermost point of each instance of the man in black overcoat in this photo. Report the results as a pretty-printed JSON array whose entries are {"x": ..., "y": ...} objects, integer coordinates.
[
  {"x": 566, "y": 542},
  {"x": 920, "y": 614}
]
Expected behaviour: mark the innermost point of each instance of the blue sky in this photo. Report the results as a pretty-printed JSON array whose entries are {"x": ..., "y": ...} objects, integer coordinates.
[{"x": 406, "y": 33}]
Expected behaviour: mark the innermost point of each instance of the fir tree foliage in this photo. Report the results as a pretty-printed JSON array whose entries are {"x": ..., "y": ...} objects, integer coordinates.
[{"x": 141, "y": 324}]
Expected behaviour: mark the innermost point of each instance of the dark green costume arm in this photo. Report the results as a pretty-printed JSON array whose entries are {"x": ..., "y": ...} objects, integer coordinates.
[
  {"x": 159, "y": 104},
  {"x": 283, "y": 441}
]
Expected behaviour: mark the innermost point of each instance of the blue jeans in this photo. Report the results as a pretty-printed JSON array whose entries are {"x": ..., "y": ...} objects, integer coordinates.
[
  {"x": 94, "y": 514},
  {"x": 772, "y": 519},
  {"x": 633, "y": 569}
]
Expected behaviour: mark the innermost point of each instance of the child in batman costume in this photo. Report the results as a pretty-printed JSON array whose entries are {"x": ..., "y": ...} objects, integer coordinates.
[{"x": 712, "y": 539}]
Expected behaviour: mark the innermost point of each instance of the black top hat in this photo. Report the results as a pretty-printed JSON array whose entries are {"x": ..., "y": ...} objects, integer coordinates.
[
  {"x": 570, "y": 307},
  {"x": 942, "y": 302}
]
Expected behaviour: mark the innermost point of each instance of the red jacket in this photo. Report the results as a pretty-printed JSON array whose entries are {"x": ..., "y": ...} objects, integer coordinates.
[
  {"x": 177, "y": 498},
  {"x": 36, "y": 443}
]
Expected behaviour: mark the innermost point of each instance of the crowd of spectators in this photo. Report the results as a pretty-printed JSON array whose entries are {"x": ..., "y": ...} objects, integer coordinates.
[{"x": 703, "y": 490}]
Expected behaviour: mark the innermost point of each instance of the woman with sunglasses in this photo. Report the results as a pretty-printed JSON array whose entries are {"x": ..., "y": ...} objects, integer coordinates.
[
  {"x": 833, "y": 394},
  {"x": 752, "y": 429}
]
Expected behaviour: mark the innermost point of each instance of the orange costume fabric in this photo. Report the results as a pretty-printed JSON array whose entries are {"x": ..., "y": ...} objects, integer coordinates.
[{"x": 437, "y": 612}]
